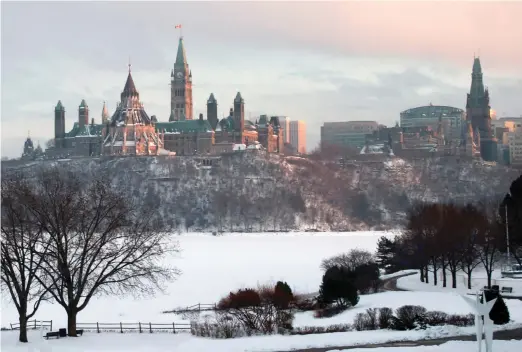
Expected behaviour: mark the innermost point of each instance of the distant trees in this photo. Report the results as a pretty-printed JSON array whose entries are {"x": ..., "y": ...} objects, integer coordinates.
[
  {"x": 447, "y": 238},
  {"x": 81, "y": 239}
]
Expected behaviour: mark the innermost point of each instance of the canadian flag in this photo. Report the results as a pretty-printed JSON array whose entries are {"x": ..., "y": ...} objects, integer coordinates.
[{"x": 178, "y": 26}]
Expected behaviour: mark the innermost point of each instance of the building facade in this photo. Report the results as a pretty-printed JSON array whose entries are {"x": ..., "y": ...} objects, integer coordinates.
[
  {"x": 297, "y": 134},
  {"x": 347, "y": 134}
]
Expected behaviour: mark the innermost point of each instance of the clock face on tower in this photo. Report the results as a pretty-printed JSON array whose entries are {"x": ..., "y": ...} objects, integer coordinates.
[{"x": 179, "y": 74}]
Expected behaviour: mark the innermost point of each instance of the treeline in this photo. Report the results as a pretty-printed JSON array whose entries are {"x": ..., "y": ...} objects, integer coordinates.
[
  {"x": 448, "y": 238},
  {"x": 66, "y": 239}
]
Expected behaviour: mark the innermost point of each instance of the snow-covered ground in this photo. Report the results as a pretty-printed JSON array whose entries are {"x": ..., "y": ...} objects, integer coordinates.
[
  {"x": 452, "y": 346},
  {"x": 451, "y": 303},
  {"x": 212, "y": 266},
  {"x": 114, "y": 342},
  {"x": 478, "y": 281}
]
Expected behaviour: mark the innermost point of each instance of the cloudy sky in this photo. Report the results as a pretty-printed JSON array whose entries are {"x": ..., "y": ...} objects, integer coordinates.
[{"x": 322, "y": 61}]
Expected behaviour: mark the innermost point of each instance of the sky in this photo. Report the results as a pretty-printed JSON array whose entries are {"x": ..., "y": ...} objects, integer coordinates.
[{"x": 311, "y": 61}]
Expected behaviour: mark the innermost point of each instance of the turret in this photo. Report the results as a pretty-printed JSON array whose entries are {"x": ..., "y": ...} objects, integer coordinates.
[
  {"x": 59, "y": 125},
  {"x": 239, "y": 112},
  {"x": 105, "y": 114},
  {"x": 83, "y": 114},
  {"x": 212, "y": 111}
]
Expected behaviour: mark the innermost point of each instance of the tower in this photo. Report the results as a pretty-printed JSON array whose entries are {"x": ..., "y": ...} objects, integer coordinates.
[
  {"x": 83, "y": 114},
  {"x": 212, "y": 116},
  {"x": 59, "y": 125},
  {"x": 181, "y": 86},
  {"x": 239, "y": 113},
  {"x": 105, "y": 114},
  {"x": 478, "y": 113}
]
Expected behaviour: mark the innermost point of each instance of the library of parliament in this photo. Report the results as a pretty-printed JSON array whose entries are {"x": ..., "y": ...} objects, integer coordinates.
[{"x": 131, "y": 131}]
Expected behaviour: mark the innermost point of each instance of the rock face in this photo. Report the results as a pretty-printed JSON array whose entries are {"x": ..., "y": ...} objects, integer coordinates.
[{"x": 253, "y": 191}]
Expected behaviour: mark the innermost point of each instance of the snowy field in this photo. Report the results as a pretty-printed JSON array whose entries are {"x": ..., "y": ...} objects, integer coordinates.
[
  {"x": 478, "y": 281},
  {"x": 212, "y": 267}
]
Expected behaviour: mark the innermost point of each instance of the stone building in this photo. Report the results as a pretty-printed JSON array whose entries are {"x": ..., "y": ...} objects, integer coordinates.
[
  {"x": 181, "y": 105},
  {"x": 84, "y": 139},
  {"x": 130, "y": 130}
]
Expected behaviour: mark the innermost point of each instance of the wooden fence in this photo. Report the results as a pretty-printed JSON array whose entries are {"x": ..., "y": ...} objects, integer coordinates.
[
  {"x": 115, "y": 327},
  {"x": 200, "y": 307},
  {"x": 34, "y": 324}
]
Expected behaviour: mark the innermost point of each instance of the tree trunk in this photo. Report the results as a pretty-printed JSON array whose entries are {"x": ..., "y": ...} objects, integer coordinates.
[
  {"x": 71, "y": 322},
  {"x": 444, "y": 276},
  {"x": 23, "y": 327},
  {"x": 488, "y": 273},
  {"x": 454, "y": 278},
  {"x": 469, "y": 280},
  {"x": 422, "y": 274},
  {"x": 426, "y": 275}
]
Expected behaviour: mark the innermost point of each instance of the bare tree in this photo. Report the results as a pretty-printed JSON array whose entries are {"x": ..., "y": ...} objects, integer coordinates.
[
  {"x": 469, "y": 236},
  {"x": 350, "y": 260},
  {"x": 20, "y": 265},
  {"x": 101, "y": 242},
  {"x": 489, "y": 239}
]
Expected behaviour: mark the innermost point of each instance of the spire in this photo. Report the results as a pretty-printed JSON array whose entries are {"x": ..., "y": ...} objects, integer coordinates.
[
  {"x": 181, "y": 56},
  {"x": 476, "y": 92},
  {"x": 105, "y": 113},
  {"x": 130, "y": 88},
  {"x": 83, "y": 105},
  {"x": 59, "y": 106},
  {"x": 477, "y": 68},
  {"x": 239, "y": 98},
  {"x": 211, "y": 99}
]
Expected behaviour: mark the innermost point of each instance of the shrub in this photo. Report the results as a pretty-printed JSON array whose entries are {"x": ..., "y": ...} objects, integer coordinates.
[
  {"x": 385, "y": 318},
  {"x": 409, "y": 318},
  {"x": 282, "y": 295},
  {"x": 338, "y": 287},
  {"x": 308, "y": 330},
  {"x": 256, "y": 311},
  {"x": 224, "y": 326},
  {"x": 436, "y": 318},
  {"x": 329, "y": 312},
  {"x": 304, "y": 304},
  {"x": 361, "y": 322},
  {"x": 366, "y": 277},
  {"x": 460, "y": 320}
]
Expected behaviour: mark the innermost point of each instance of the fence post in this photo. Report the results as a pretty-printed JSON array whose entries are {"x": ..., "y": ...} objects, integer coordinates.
[
  {"x": 51, "y": 328},
  {"x": 11, "y": 326},
  {"x": 98, "y": 327},
  {"x": 174, "y": 328},
  {"x": 121, "y": 328},
  {"x": 199, "y": 307},
  {"x": 35, "y": 324},
  {"x": 139, "y": 324},
  {"x": 150, "y": 327}
]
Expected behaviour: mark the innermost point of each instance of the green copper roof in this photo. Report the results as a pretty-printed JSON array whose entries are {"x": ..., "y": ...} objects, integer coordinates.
[
  {"x": 181, "y": 56},
  {"x": 83, "y": 104},
  {"x": 186, "y": 126},
  {"x": 59, "y": 106},
  {"x": 88, "y": 130}
]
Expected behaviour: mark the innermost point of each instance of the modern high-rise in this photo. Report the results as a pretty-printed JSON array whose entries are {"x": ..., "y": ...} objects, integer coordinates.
[
  {"x": 297, "y": 134},
  {"x": 347, "y": 134},
  {"x": 285, "y": 124}
]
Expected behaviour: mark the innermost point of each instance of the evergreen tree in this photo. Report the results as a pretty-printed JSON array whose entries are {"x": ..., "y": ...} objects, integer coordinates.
[
  {"x": 499, "y": 313},
  {"x": 338, "y": 287},
  {"x": 386, "y": 255},
  {"x": 282, "y": 295}
]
